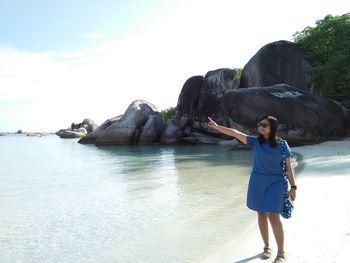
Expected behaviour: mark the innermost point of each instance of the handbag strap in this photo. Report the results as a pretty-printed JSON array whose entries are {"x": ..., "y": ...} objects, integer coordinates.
[
  {"x": 284, "y": 156},
  {"x": 283, "y": 144}
]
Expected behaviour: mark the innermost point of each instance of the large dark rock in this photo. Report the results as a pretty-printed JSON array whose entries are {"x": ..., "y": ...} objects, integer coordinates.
[
  {"x": 91, "y": 138},
  {"x": 211, "y": 94},
  {"x": 141, "y": 123},
  {"x": 303, "y": 117},
  {"x": 201, "y": 97},
  {"x": 171, "y": 133},
  {"x": 151, "y": 131},
  {"x": 276, "y": 63},
  {"x": 188, "y": 98}
]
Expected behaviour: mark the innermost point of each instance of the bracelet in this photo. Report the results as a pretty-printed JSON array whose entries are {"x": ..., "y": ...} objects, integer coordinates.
[{"x": 293, "y": 187}]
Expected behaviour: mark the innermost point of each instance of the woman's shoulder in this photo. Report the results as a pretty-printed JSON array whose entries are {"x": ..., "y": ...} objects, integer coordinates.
[
  {"x": 283, "y": 143},
  {"x": 285, "y": 146},
  {"x": 280, "y": 140}
]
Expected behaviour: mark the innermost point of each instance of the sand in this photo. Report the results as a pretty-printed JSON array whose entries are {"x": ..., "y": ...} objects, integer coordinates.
[{"x": 319, "y": 229}]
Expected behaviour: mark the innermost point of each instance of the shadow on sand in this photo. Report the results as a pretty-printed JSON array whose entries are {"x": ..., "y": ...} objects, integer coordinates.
[{"x": 248, "y": 259}]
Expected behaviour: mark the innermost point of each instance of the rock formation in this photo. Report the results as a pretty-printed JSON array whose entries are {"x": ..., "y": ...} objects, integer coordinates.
[
  {"x": 276, "y": 63},
  {"x": 35, "y": 134},
  {"x": 140, "y": 124},
  {"x": 88, "y": 124},
  {"x": 201, "y": 97},
  {"x": 68, "y": 133},
  {"x": 274, "y": 82},
  {"x": 303, "y": 117},
  {"x": 171, "y": 133},
  {"x": 78, "y": 130}
]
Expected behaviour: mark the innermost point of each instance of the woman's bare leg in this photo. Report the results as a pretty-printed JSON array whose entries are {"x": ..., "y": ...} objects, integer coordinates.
[
  {"x": 264, "y": 227},
  {"x": 278, "y": 231}
]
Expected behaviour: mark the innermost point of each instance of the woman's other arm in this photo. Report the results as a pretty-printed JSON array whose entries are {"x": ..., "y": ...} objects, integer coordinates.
[
  {"x": 291, "y": 179},
  {"x": 228, "y": 131}
]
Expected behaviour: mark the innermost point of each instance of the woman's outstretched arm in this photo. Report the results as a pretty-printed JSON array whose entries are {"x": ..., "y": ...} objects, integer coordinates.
[{"x": 228, "y": 131}]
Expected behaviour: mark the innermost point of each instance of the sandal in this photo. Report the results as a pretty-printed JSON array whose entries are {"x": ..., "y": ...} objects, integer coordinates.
[
  {"x": 267, "y": 253},
  {"x": 279, "y": 258}
]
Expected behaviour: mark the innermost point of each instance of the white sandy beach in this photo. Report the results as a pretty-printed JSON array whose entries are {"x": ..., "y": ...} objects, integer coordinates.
[{"x": 319, "y": 229}]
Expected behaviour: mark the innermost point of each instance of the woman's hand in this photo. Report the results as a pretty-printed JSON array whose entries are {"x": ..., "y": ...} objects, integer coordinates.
[
  {"x": 212, "y": 123},
  {"x": 292, "y": 193}
]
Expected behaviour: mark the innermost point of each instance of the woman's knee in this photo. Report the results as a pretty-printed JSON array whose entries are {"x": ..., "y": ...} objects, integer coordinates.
[{"x": 274, "y": 218}]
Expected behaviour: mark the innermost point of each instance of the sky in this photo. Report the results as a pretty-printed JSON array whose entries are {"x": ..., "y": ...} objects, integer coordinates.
[{"x": 63, "y": 61}]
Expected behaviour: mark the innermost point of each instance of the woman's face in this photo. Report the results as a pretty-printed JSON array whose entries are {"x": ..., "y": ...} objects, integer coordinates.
[{"x": 264, "y": 127}]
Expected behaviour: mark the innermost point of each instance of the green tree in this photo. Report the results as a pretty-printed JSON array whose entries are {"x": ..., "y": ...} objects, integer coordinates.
[
  {"x": 239, "y": 73},
  {"x": 327, "y": 46},
  {"x": 168, "y": 113}
]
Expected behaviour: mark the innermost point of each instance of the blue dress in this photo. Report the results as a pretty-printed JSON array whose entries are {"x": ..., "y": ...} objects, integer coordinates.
[{"x": 267, "y": 185}]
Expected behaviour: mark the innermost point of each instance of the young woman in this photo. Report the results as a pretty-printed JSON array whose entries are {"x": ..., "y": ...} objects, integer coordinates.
[{"x": 267, "y": 186}]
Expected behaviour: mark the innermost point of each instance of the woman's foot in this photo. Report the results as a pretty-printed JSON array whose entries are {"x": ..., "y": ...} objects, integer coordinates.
[
  {"x": 267, "y": 253},
  {"x": 280, "y": 258}
]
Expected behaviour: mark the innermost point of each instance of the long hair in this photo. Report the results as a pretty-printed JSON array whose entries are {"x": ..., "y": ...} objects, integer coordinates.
[{"x": 272, "y": 140}]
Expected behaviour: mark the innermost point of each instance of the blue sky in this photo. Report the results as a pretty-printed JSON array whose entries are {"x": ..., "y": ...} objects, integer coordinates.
[
  {"x": 63, "y": 61},
  {"x": 66, "y": 25}
]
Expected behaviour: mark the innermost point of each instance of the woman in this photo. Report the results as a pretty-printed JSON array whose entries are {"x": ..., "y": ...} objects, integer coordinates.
[{"x": 267, "y": 186}]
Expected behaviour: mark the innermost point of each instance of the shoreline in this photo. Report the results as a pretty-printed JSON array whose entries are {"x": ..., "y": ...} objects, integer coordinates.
[{"x": 319, "y": 229}]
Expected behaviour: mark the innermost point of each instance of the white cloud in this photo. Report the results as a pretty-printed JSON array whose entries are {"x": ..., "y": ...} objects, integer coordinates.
[
  {"x": 101, "y": 82},
  {"x": 94, "y": 35}
]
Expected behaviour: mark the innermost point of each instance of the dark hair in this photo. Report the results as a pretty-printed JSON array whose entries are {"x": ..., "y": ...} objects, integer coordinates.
[{"x": 272, "y": 140}]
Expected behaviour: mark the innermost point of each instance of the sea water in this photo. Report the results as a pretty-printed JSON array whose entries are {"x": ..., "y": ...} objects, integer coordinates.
[{"x": 61, "y": 201}]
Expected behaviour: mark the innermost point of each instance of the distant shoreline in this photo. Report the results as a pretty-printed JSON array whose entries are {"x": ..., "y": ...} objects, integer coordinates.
[{"x": 24, "y": 133}]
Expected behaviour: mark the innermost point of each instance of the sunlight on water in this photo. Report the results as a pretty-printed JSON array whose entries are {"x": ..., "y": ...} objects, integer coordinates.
[{"x": 65, "y": 202}]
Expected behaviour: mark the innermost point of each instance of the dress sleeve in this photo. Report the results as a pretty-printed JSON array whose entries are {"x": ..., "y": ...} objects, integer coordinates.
[
  {"x": 289, "y": 152},
  {"x": 251, "y": 140}
]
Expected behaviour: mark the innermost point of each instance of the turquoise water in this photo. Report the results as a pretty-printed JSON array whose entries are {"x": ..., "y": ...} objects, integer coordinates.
[{"x": 61, "y": 201}]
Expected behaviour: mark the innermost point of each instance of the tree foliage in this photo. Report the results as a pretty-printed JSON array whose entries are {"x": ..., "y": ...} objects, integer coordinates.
[
  {"x": 238, "y": 73},
  {"x": 327, "y": 46},
  {"x": 168, "y": 113}
]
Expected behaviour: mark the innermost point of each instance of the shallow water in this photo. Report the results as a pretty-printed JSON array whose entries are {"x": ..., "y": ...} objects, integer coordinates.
[{"x": 61, "y": 201}]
